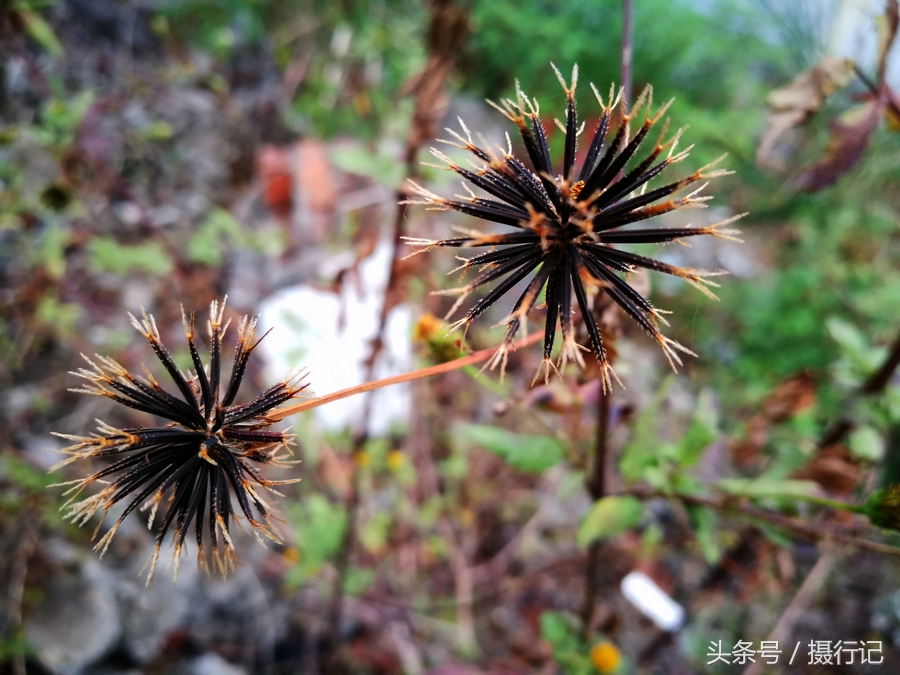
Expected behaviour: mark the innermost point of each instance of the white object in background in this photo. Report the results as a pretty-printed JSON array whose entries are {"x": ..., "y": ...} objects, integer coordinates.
[
  {"x": 306, "y": 332},
  {"x": 654, "y": 602}
]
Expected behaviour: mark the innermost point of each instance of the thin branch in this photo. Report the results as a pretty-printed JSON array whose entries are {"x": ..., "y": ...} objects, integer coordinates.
[
  {"x": 878, "y": 91},
  {"x": 729, "y": 505},
  {"x": 449, "y": 366},
  {"x": 447, "y": 30},
  {"x": 625, "y": 65},
  {"x": 874, "y": 385},
  {"x": 596, "y": 481},
  {"x": 799, "y": 604},
  {"x": 877, "y": 381},
  {"x": 341, "y": 565},
  {"x": 596, "y": 486}
]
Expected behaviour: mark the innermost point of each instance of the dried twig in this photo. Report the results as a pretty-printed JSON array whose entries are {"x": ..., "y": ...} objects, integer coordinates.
[
  {"x": 799, "y": 603},
  {"x": 596, "y": 482},
  {"x": 596, "y": 486},
  {"x": 625, "y": 64},
  {"x": 449, "y": 366},
  {"x": 447, "y": 31},
  {"x": 731, "y": 505}
]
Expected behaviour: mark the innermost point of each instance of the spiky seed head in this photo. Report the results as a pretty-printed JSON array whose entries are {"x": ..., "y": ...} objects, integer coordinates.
[
  {"x": 196, "y": 463},
  {"x": 565, "y": 226}
]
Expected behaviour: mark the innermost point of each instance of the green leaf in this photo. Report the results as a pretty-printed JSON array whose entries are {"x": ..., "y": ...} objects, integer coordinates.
[
  {"x": 866, "y": 443},
  {"x": 882, "y": 507},
  {"x": 700, "y": 433},
  {"x": 609, "y": 517},
  {"x": 642, "y": 450},
  {"x": 158, "y": 131},
  {"x": 558, "y": 631},
  {"x": 767, "y": 487},
  {"x": 704, "y": 522},
  {"x": 40, "y": 31},
  {"x": 358, "y": 579},
  {"x": 532, "y": 454},
  {"x": 776, "y": 535},
  {"x": 60, "y": 119},
  {"x": 380, "y": 166},
  {"x": 455, "y": 466},
  {"x": 25, "y": 475},
  {"x": 373, "y": 535},
  {"x": 848, "y": 336},
  {"x": 319, "y": 527},
  {"x": 61, "y": 316},
  {"x": 52, "y": 252},
  {"x": 213, "y": 237},
  {"x": 107, "y": 255}
]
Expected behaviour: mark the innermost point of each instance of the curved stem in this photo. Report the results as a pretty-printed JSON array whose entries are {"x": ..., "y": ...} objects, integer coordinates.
[
  {"x": 729, "y": 506},
  {"x": 821, "y": 501},
  {"x": 456, "y": 364}
]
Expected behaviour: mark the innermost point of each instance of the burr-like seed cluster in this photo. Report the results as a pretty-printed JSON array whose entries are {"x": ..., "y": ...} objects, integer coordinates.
[
  {"x": 565, "y": 226},
  {"x": 196, "y": 462}
]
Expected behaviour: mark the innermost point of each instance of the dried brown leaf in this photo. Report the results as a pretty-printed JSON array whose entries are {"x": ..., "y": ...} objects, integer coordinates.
[
  {"x": 787, "y": 399},
  {"x": 845, "y": 148},
  {"x": 797, "y": 101},
  {"x": 834, "y": 468}
]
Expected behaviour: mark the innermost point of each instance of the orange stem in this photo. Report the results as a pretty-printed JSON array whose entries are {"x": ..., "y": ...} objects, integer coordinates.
[{"x": 397, "y": 379}]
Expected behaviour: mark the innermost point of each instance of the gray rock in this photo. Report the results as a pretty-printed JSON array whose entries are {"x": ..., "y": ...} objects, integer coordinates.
[
  {"x": 233, "y": 617},
  {"x": 149, "y": 615},
  {"x": 77, "y": 620}
]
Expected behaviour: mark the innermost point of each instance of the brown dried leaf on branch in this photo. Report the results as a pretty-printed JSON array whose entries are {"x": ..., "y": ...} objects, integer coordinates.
[
  {"x": 796, "y": 102},
  {"x": 850, "y": 134},
  {"x": 834, "y": 468},
  {"x": 789, "y": 398},
  {"x": 849, "y": 138},
  {"x": 447, "y": 33}
]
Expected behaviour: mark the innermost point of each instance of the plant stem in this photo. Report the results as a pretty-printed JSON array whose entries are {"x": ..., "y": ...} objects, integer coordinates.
[
  {"x": 596, "y": 481},
  {"x": 821, "y": 501},
  {"x": 342, "y": 561},
  {"x": 729, "y": 505},
  {"x": 799, "y": 604},
  {"x": 447, "y": 29},
  {"x": 341, "y": 565},
  {"x": 874, "y": 384},
  {"x": 456, "y": 364},
  {"x": 625, "y": 64},
  {"x": 596, "y": 487}
]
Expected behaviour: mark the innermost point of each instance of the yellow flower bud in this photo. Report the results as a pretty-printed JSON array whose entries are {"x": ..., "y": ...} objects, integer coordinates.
[
  {"x": 394, "y": 460},
  {"x": 605, "y": 657}
]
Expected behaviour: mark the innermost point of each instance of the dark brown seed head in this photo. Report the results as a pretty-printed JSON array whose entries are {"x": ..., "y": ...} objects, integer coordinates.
[
  {"x": 199, "y": 460},
  {"x": 565, "y": 225}
]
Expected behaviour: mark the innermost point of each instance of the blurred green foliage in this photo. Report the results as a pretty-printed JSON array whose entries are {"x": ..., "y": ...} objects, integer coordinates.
[
  {"x": 525, "y": 453},
  {"x": 319, "y": 527},
  {"x": 570, "y": 652},
  {"x": 677, "y": 48},
  {"x": 609, "y": 517},
  {"x": 353, "y": 56}
]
